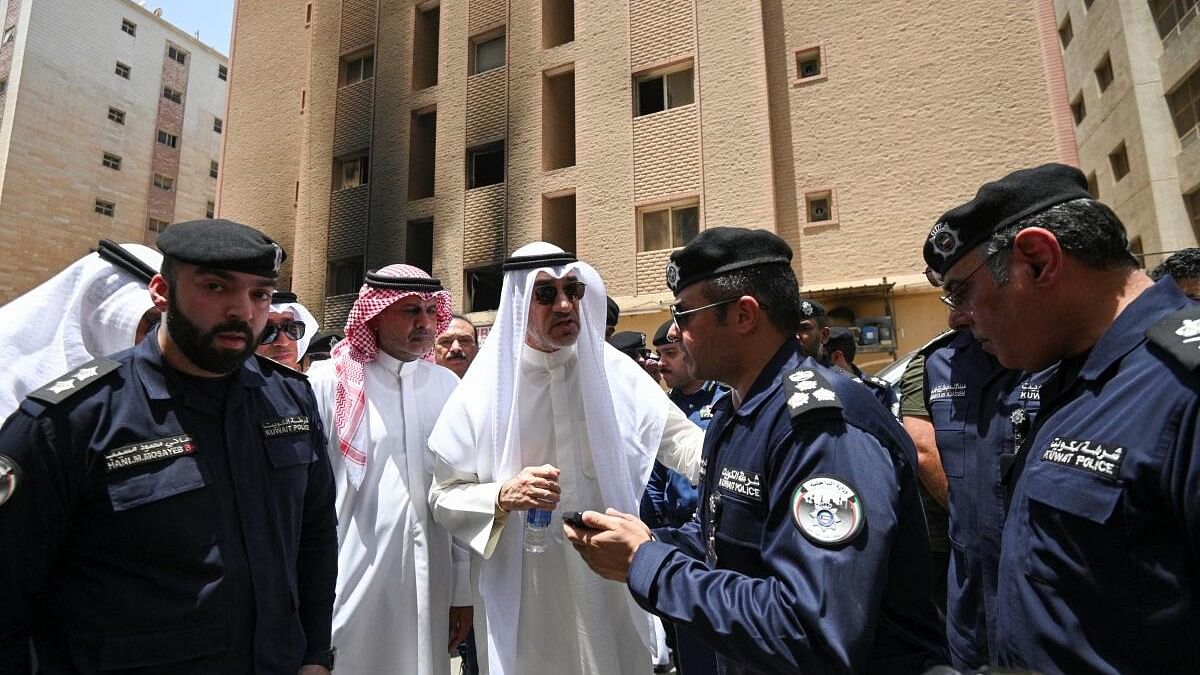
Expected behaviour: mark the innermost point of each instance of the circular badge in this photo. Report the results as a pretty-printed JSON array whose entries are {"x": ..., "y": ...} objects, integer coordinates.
[
  {"x": 672, "y": 274},
  {"x": 10, "y": 475},
  {"x": 827, "y": 510}
]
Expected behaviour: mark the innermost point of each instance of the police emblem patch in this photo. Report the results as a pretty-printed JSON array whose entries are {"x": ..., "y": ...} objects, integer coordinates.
[
  {"x": 945, "y": 239},
  {"x": 672, "y": 274},
  {"x": 827, "y": 510},
  {"x": 806, "y": 308}
]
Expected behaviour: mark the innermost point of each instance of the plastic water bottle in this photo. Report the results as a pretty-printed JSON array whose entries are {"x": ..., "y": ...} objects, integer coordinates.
[{"x": 537, "y": 521}]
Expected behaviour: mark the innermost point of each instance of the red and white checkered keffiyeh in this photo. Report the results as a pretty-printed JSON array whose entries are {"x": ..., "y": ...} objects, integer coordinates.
[{"x": 359, "y": 348}]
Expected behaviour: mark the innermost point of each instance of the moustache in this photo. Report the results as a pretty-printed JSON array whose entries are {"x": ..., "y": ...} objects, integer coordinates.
[{"x": 233, "y": 327}]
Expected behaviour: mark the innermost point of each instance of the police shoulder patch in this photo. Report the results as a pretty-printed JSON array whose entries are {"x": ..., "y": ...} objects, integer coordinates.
[
  {"x": 827, "y": 510},
  {"x": 63, "y": 388},
  {"x": 809, "y": 391},
  {"x": 1179, "y": 335}
]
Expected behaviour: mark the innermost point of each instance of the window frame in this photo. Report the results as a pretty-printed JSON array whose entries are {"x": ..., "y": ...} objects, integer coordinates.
[
  {"x": 486, "y": 38},
  {"x": 163, "y": 182},
  {"x": 106, "y": 208},
  {"x": 177, "y": 54},
  {"x": 128, "y": 27},
  {"x": 664, "y": 74},
  {"x": 123, "y": 70},
  {"x": 1104, "y": 73},
  {"x": 475, "y": 152},
  {"x": 222, "y": 72},
  {"x": 363, "y": 159},
  {"x": 172, "y": 140},
  {"x": 116, "y": 115},
  {"x": 802, "y": 55},
  {"x": 156, "y": 225},
  {"x": 214, "y": 168},
  {"x": 360, "y": 57},
  {"x": 670, "y": 208},
  {"x": 172, "y": 95},
  {"x": 111, "y": 161},
  {"x": 218, "y": 125}
]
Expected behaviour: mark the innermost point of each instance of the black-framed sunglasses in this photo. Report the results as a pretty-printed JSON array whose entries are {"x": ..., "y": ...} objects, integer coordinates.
[
  {"x": 956, "y": 297},
  {"x": 546, "y": 294},
  {"x": 681, "y": 316},
  {"x": 293, "y": 329}
]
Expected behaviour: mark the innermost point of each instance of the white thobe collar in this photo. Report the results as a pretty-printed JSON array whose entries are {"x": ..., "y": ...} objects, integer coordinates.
[
  {"x": 547, "y": 361},
  {"x": 394, "y": 365}
]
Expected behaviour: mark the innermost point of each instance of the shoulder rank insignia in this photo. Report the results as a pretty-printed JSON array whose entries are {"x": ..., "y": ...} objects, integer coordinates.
[
  {"x": 809, "y": 391},
  {"x": 1179, "y": 335},
  {"x": 75, "y": 381},
  {"x": 827, "y": 510}
]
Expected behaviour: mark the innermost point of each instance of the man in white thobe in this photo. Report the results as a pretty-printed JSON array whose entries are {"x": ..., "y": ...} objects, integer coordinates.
[
  {"x": 98, "y": 305},
  {"x": 290, "y": 329},
  {"x": 551, "y": 417},
  {"x": 403, "y": 592}
]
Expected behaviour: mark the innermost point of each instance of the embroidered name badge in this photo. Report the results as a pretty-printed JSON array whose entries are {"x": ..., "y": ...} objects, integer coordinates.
[
  {"x": 827, "y": 510},
  {"x": 148, "y": 451},
  {"x": 1031, "y": 392},
  {"x": 740, "y": 482},
  {"x": 948, "y": 390},
  {"x": 1101, "y": 459},
  {"x": 285, "y": 426}
]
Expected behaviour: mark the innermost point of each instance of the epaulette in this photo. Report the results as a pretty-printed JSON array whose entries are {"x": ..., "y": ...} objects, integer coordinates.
[
  {"x": 268, "y": 362},
  {"x": 1179, "y": 335},
  {"x": 937, "y": 342},
  {"x": 876, "y": 381},
  {"x": 809, "y": 391},
  {"x": 62, "y": 388}
]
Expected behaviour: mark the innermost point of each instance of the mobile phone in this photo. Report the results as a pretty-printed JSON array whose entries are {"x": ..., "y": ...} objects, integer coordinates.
[{"x": 575, "y": 520}]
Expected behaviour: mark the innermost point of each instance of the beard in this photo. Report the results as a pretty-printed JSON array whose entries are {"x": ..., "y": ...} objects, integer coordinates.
[{"x": 199, "y": 346}]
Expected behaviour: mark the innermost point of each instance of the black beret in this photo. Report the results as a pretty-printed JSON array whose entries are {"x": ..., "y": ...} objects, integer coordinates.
[
  {"x": 628, "y": 340},
  {"x": 224, "y": 245},
  {"x": 724, "y": 249},
  {"x": 323, "y": 343},
  {"x": 660, "y": 335},
  {"x": 1018, "y": 195},
  {"x": 613, "y": 313},
  {"x": 811, "y": 308}
]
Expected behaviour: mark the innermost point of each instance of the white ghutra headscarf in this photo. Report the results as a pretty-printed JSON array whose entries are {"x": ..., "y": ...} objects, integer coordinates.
[
  {"x": 479, "y": 431},
  {"x": 284, "y": 301},
  {"x": 90, "y": 309}
]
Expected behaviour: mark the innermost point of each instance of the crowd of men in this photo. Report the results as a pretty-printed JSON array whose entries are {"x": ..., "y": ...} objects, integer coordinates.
[{"x": 194, "y": 479}]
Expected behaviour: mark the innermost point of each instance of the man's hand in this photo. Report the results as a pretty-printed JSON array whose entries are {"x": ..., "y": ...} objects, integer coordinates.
[
  {"x": 460, "y": 625},
  {"x": 609, "y": 542},
  {"x": 536, "y": 487},
  {"x": 314, "y": 670}
]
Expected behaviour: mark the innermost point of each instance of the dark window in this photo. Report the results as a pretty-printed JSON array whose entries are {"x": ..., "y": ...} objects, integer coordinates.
[
  {"x": 156, "y": 225},
  {"x": 111, "y": 161},
  {"x": 210, "y": 209},
  {"x": 128, "y": 26},
  {"x": 172, "y": 95},
  {"x": 483, "y": 289},
  {"x": 669, "y": 227},
  {"x": 105, "y": 208},
  {"x": 1170, "y": 15},
  {"x": 351, "y": 172},
  {"x": 344, "y": 276},
  {"x": 485, "y": 165},
  {"x": 558, "y": 121},
  {"x": 177, "y": 55},
  {"x": 218, "y": 124},
  {"x": 425, "y": 48},
  {"x": 222, "y": 72},
  {"x": 1078, "y": 109},
  {"x": 558, "y": 22},
  {"x": 659, "y": 92},
  {"x": 164, "y": 182},
  {"x": 1184, "y": 104},
  {"x": 487, "y": 54},
  {"x": 418, "y": 244},
  {"x": 421, "y": 162},
  {"x": 308, "y": 15},
  {"x": 358, "y": 67},
  {"x": 1119, "y": 160},
  {"x": 213, "y": 169},
  {"x": 116, "y": 114},
  {"x": 818, "y": 206},
  {"x": 170, "y": 140},
  {"x": 808, "y": 63},
  {"x": 1104, "y": 73},
  {"x": 122, "y": 70},
  {"x": 1065, "y": 33}
]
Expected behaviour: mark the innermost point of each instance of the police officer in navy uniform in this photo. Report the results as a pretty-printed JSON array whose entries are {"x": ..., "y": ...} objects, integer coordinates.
[
  {"x": 1098, "y": 567},
  {"x": 810, "y": 552},
  {"x": 978, "y": 413},
  {"x": 841, "y": 349},
  {"x": 175, "y": 512}
]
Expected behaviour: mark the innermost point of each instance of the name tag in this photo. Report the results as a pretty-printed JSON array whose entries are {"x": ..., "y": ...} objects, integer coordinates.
[
  {"x": 148, "y": 451},
  {"x": 743, "y": 483},
  {"x": 285, "y": 426},
  {"x": 1031, "y": 392},
  {"x": 1101, "y": 459},
  {"x": 952, "y": 390}
]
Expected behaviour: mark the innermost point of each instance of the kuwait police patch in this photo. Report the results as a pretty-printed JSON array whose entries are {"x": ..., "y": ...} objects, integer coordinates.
[{"x": 827, "y": 511}]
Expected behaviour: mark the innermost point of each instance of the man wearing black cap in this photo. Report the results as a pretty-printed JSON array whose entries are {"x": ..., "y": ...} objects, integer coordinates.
[
  {"x": 1098, "y": 556},
  {"x": 841, "y": 348},
  {"x": 631, "y": 343},
  {"x": 809, "y": 553},
  {"x": 612, "y": 314},
  {"x": 813, "y": 332},
  {"x": 176, "y": 511}
]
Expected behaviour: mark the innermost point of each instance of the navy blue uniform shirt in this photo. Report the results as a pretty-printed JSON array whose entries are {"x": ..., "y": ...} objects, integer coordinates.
[
  {"x": 159, "y": 526},
  {"x": 1098, "y": 566},
  {"x": 980, "y": 412},
  {"x": 807, "y": 455},
  {"x": 670, "y": 499}
]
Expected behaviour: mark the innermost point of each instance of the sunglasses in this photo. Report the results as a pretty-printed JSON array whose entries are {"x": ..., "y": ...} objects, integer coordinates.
[
  {"x": 292, "y": 329},
  {"x": 681, "y": 316},
  {"x": 548, "y": 293}
]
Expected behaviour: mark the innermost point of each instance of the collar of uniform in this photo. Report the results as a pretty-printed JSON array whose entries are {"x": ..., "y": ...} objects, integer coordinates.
[
  {"x": 150, "y": 366},
  {"x": 546, "y": 360},
  {"x": 394, "y": 365},
  {"x": 786, "y": 358},
  {"x": 1129, "y": 330}
]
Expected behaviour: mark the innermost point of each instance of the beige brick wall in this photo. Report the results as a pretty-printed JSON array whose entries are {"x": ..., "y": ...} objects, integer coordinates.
[
  {"x": 483, "y": 235},
  {"x": 357, "y": 25},
  {"x": 487, "y": 14},
  {"x": 660, "y": 30},
  {"x": 666, "y": 151},
  {"x": 487, "y": 106},
  {"x": 56, "y": 129}
]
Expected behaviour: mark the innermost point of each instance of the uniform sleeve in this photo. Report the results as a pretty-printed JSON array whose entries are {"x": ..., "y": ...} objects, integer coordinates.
[
  {"x": 654, "y": 501},
  {"x": 685, "y": 538},
  {"x": 682, "y": 442},
  {"x": 317, "y": 563},
  {"x": 32, "y": 527},
  {"x": 912, "y": 388},
  {"x": 466, "y": 507},
  {"x": 815, "y": 609}
]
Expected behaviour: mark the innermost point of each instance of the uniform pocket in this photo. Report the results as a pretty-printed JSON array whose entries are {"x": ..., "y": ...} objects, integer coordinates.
[
  {"x": 163, "y": 514},
  {"x": 179, "y": 476},
  {"x": 949, "y": 418},
  {"x": 291, "y": 451}
]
